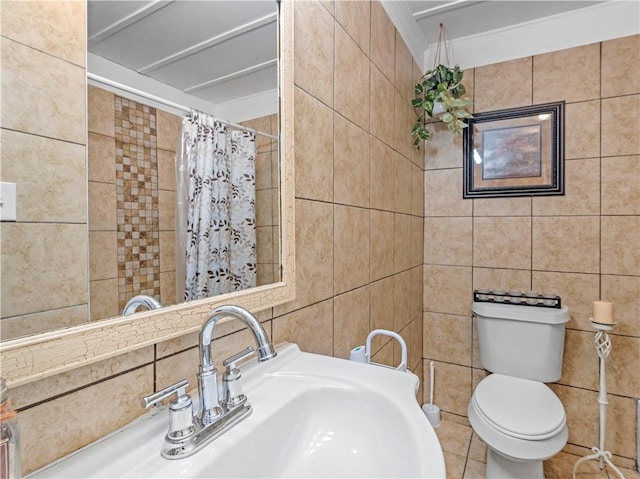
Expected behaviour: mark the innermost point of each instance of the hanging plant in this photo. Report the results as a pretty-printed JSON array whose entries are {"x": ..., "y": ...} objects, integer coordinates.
[{"x": 440, "y": 93}]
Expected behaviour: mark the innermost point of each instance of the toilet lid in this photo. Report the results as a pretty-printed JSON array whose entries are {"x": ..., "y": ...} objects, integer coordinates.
[{"x": 519, "y": 407}]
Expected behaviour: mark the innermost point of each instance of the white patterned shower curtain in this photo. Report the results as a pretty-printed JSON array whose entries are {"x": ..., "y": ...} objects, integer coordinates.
[{"x": 216, "y": 238}]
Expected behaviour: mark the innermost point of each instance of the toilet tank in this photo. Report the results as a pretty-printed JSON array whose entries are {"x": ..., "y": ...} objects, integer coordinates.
[{"x": 521, "y": 341}]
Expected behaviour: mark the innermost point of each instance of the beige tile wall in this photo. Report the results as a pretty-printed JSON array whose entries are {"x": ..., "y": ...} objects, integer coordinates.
[
  {"x": 359, "y": 184},
  {"x": 45, "y": 252},
  {"x": 113, "y": 256},
  {"x": 267, "y": 200},
  {"x": 584, "y": 245}
]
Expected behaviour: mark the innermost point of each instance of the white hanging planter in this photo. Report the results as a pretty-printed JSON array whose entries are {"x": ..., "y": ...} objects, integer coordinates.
[{"x": 438, "y": 108}]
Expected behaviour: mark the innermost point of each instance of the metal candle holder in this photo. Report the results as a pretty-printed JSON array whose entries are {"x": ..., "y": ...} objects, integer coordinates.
[{"x": 603, "y": 347}]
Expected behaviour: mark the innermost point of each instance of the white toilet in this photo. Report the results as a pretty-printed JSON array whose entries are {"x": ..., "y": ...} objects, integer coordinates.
[{"x": 512, "y": 410}]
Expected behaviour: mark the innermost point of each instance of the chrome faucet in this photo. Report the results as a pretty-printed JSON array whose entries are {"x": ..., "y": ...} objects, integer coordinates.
[
  {"x": 207, "y": 373},
  {"x": 140, "y": 300},
  {"x": 191, "y": 430}
]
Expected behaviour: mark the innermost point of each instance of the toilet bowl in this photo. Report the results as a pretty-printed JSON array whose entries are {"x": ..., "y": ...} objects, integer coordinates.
[{"x": 523, "y": 423}]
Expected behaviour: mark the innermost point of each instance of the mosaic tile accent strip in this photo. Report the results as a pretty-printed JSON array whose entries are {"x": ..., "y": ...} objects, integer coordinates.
[{"x": 137, "y": 213}]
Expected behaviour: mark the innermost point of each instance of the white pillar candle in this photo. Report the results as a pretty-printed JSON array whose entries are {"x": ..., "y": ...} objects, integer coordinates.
[{"x": 603, "y": 312}]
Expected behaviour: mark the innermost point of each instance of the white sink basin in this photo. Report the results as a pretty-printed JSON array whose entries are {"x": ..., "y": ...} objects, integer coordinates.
[{"x": 313, "y": 416}]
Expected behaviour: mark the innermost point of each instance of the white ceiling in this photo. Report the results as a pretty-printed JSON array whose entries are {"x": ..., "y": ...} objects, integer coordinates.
[
  {"x": 220, "y": 51},
  {"x": 464, "y": 18}
]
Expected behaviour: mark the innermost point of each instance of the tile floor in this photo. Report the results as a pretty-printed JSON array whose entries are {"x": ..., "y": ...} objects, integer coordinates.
[{"x": 465, "y": 457}]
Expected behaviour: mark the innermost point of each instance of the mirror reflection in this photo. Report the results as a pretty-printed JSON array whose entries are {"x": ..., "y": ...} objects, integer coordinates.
[{"x": 209, "y": 65}]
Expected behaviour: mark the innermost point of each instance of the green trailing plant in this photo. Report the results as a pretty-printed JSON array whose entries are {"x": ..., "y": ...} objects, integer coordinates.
[{"x": 441, "y": 84}]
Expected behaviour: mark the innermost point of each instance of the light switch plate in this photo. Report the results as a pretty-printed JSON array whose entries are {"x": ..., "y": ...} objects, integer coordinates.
[{"x": 7, "y": 201}]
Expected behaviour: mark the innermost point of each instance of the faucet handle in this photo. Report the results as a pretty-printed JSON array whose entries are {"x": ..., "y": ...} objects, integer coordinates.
[
  {"x": 232, "y": 395},
  {"x": 230, "y": 363},
  {"x": 179, "y": 388},
  {"x": 180, "y": 410}
]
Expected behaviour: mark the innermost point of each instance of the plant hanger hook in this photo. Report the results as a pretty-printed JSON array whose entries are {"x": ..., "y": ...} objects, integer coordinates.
[{"x": 442, "y": 45}]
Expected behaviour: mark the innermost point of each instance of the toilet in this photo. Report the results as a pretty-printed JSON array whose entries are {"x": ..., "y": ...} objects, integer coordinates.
[{"x": 519, "y": 417}]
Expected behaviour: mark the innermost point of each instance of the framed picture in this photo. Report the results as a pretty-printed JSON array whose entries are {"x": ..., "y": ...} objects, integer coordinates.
[{"x": 515, "y": 152}]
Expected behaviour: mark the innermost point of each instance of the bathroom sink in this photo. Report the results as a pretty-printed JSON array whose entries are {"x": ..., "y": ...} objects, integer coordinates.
[{"x": 313, "y": 416}]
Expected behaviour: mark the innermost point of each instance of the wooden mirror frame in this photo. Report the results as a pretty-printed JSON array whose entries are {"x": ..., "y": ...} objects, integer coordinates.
[{"x": 35, "y": 357}]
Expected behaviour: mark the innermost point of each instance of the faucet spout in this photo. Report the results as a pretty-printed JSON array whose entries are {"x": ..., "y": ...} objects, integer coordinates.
[
  {"x": 140, "y": 300},
  {"x": 264, "y": 348},
  {"x": 209, "y": 401}
]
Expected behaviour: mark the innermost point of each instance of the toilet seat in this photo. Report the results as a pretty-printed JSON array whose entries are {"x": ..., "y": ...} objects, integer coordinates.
[
  {"x": 519, "y": 408},
  {"x": 519, "y": 440}
]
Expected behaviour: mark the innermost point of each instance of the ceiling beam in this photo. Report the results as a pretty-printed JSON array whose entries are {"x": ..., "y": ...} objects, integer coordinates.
[
  {"x": 211, "y": 42},
  {"x": 232, "y": 76},
  {"x": 456, "y": 4},
  {"x": 123, "y": 23}
]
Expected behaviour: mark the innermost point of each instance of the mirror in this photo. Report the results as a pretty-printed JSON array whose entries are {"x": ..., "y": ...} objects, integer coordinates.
[
  {"x": 41, "y": 355},
  {"x": 176, "y": 45}
]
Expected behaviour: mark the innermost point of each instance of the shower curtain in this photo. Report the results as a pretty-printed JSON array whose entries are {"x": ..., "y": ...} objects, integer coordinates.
[{"x": 216, "y": 234}]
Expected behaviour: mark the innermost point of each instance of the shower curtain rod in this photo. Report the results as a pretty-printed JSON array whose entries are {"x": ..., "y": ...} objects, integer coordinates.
[{"x": 177, "y": 106}]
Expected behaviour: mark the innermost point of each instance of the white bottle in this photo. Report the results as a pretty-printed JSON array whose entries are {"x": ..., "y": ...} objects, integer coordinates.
[{"x": 9, "y": 451}]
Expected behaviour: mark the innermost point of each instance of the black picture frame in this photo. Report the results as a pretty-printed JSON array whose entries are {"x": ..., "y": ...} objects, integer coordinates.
[{"x": 515, "y": 152}]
